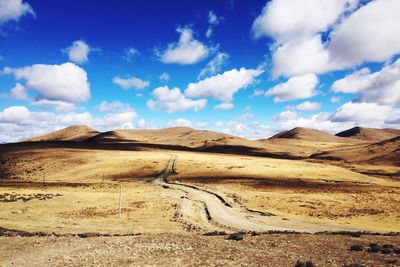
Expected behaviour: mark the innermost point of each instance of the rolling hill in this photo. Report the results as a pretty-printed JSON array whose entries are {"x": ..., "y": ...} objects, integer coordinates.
[
  {"x": 75, "y": 133},
  {"x": 370, "y": 134},
  {"x": 306, "y": 134}
]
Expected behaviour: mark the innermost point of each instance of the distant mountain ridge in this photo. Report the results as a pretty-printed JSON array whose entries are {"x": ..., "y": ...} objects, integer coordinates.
[{"x": 359, "y": 145}]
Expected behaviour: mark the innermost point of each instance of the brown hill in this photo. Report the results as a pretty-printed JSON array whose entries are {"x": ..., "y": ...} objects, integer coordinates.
[
  {"x": 306, "y": 134},
  {"x": 384, "y": 152},
  {"x": 181, "y": 136},
  {"x": 370, "y": 134},
  {"x": 71, "y": 133}
]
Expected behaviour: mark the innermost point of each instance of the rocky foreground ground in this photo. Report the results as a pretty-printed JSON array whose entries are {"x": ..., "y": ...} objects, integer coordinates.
[{"x": 200, "y": 250}]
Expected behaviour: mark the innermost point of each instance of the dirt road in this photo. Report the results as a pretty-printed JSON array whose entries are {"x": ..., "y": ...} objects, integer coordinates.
[{"x": 211, "y": 211}]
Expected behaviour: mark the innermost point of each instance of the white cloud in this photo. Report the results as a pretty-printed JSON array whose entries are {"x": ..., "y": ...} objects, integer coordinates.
[
  {"x": 129, "y": 53},
  {"x": 223, "y": 86},
  {"x": 287, "y": 115},
  {"x": 132, "y": 82},
  {"x": 300, "y": 56},
  {"x": 66, "y": 82},
  {"x": 19, "y": 92},
  {"x": 187, "y": 51},
  {"x": 366, "y": 114},
  {"x": 180, "y": 122},
  {"x": 15, "y": 114},
  {"x": 78, "y": 52},
  {"x": 298, "y": 87},
  {"x": 335, "y": 99},
  {"x": 244, "y": 127},
  {"x": 164, "y": 77},
  {"x": 13, "y": 10},
  {"x": 351, "y": 40},
  {"x": 172, "y": 100},
  {"x": 382, "y": 86},
  {"x": 58, "y": 105},
  {"x": 114, "y": 107},
  {"x": 297, "y": 28},
  {"x": 286, "y": 19},
  {"x": 224, "y": 106},
  {"x": 214, "y": 66},
  {"x": 309, "y": 106}
]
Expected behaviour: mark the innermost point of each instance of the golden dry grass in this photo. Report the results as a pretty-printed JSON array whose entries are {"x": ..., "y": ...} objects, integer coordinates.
[
  {"x": 81, "y": 165},
  {"x": 292, "y": 188},
  {"x": 146, "y": 208}
]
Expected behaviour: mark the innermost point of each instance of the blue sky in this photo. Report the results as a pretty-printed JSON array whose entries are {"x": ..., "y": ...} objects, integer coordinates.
[{"x": 249, "y": 68}]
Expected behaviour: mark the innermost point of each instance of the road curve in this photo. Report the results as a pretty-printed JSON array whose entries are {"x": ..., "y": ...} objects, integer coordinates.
[{"x": 219, "y": 214}]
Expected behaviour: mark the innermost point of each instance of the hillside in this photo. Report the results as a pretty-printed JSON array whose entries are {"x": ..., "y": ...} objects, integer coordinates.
[
  {"x": 306, "y": 134},
  {"x": 72, "y": 133},
  {"x": 385, "y": 152},
  {"x": 370, "y": 134},
  {"x": 176, "y": 136}
]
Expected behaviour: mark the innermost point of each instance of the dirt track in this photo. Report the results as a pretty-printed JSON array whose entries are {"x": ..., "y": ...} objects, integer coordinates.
[{"x": 211, "y": 211}]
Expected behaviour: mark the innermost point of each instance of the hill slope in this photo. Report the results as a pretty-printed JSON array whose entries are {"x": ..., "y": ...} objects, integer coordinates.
[
  {"x": 306, "y": 134},
  {"x": 384, "y": 152},
  {"x": 370, "y": 134},
  {"x": 72, "y": 133},
  {"x": 182, "y": 136}
]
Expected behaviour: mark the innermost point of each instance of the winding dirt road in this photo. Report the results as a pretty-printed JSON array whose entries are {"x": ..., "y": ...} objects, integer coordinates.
[{"x": 211, "y": 211}]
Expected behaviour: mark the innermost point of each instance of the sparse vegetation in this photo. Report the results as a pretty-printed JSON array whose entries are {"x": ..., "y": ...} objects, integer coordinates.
[
  {"x": 235, "y": 236},
  {"x": 304, "y": 264},
  {"x": 356, "y": 248}
]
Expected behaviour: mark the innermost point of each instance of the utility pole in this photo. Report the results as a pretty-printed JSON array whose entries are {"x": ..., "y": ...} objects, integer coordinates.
[
  {"x": 44, "y": 179},
  {"x": 120, "y": 200}
]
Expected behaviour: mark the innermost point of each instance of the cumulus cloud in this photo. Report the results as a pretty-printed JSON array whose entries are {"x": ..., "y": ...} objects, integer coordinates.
[
  {"x": 58, "y": 105},
  {"x": 244, "y": 126},
  {"x": 132, "y": 82},
  {"x": 66, "y": 82},
  {"x": 223, "y": 86},
  {"x": 172, "y": 100},
  {"x": 187, "y": 51},
  {"x": 351, "y": 40},
  {"x": 19, "y": 92},
  {"x": 130, "y": 53},
  {"x": 287, "y": 115},
  {"x": 13, "y": 10},
  {"x": 366, "y": 114},
  {"x": 381, "y": 87},
  {"x": 113, "y": 107},
  {"x": 298, "y": 87},
  {"x": 78, "y": 52},
  {"x": 164, "y": 77},
  {"x": 308, "y": 106},
  {"x": 298, "y": 26},
  {"x": 214, "y": 66},
  {"x": 180, "y": 122},
  {"x": 285, "y": 19},
  {"x": 15, "y": 114},
  {"x": 224, "y": 106}
]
